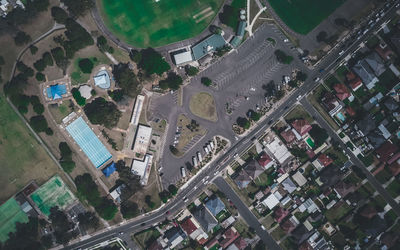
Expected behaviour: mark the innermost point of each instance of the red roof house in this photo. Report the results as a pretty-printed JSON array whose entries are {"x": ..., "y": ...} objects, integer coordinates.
[
  {"x": 240, "y": 243},
  {"x": 280, "y": 213},
  {"x": 350, "y": 111},
  {"x": 188, "y": 226},
  {"x": 230, "y": 236},
  {"x": 288, "y": 135},
  {"x": 212, "y": 243},
  {"x": 325, "y": 160},
  {"x": 395, "y": 168},
  {"x": 288, "y": 226},
  {"x": 342, "y": 92},
  {"x": 301, "y": 126},
  {"x": 265, "y": 161},
  {"x": 354, "y": 81},
  {"x": 384, "y": 51},
  {"x": 387, "y": 152}
]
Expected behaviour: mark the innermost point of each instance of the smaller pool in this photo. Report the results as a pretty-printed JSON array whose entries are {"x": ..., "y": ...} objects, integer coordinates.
[
  {"x": 341, "y": 117},
  {"x": 310, "y": 142}
]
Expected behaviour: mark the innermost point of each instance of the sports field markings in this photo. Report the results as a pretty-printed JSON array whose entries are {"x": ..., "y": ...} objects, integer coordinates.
[
  {"x": 202, "y": 12},
  {"x": 204, "y": 17}
]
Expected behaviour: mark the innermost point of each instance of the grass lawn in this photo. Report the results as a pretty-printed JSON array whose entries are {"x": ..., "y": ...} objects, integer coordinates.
[
  {"x": 77, "y": 76},
  {"x": 341, "y": 72},
  {"x": 331, "y": 80},
  {"x": 337, "y": 212},
  {"x": 278, "y": 233},
  {"x": 60, "y": 111},
  {"x": 298, "y": 112},
  {"x": 383, "y": 176},
  {"x": 186, "y": 135},
  {"x": 22, "y": 158},
  {"x": 388, "y": 79},
  {"x": 146, "y": 237},
  {"x": 304, "y": 15},
  {"x": 314, "y": 99},
  {"x": 337, "y": 156},
  {"x": 149, "y": 23},
  {"x": 394, "y": 188},
  {"x": 203, "y": 105}
]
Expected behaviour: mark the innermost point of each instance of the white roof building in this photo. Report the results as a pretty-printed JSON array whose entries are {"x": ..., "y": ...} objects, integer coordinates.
[
  {"x": 308, "y": 205},
  {"x": 182, "y": 58},
  {"x": 279, "y": 150},
  {"x": 85, "y": 91},
  {"x": 271, "y": 201},
  {"x": 142, "y": 140},
  {"x": 137, "y": 110},
  {"x": 142, "y": 168},
  {"x": 299, "y": 178}
]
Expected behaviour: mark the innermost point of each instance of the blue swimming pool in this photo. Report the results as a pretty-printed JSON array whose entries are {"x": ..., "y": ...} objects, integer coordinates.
[
  {"x": 88, "y": 142},
  {"x": 341, "y": 117}
]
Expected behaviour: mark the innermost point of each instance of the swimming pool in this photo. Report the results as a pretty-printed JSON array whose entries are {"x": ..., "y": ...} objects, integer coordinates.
[{"x": 88, "y": 142}]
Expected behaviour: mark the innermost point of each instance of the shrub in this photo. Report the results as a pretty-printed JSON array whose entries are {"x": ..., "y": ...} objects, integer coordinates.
[
  {"x": 86, "y": 65},
  {"x": 116, "y": 95},
  {"x": 67, "y": 166},
  {"x": 282, "y": 57},
  {"x": 38, "y": 123},
  {"x": 206, "y": 81},
  {"x": 243, "y": 122},
  {"x": 21, "y": 38},
  {"x": 191, "y": 71},
  {"x": 78, "y": 98},
  {"x": 33, "y": 49},
  {"x": 40, "y": 77}
]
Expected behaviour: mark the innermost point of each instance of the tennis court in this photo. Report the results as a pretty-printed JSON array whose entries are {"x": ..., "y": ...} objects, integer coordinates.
[
  {"x": 10, "y": 213},
  {"x": 53, "y": 193},
  {"x": 88, "y": 142}
]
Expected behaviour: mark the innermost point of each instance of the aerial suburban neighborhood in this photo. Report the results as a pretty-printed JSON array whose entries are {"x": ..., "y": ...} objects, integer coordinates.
[{"x": 200, "y": 124}]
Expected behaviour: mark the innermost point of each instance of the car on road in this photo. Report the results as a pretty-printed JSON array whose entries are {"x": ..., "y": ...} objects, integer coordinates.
[
  {"x": 185, "y": 199},
  {"x": 235, "y": 155},
  {"x": 143, "y": 224},
  {"x": 263, "y": 228},
  {"x": 286, "y": 40},
  {"x": 167, "y": 212},
  {"x": 317, "y": 79},
  {"x": 121, "y": 233},
  {"x": 341, "y": 52}
]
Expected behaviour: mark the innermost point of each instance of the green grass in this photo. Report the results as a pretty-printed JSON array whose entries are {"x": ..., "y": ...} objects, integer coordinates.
[
  {"x": 77, "y": 76},
  {"x": 334, "y": 214},
  {"x": 388, "y": 79},
  {"x": 394, "y": 188},
  {"x": 298, "y": 112},
  {"x": 10, "y": 213},
  {"x": 146, "y": 237},
  {"x": 21, "y": 156},
  {"x": 146, "y": 23},
  {"x": 304, "y": 15}
]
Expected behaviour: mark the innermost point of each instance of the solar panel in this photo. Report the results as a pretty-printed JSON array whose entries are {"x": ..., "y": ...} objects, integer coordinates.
[{"x": 88, "y": 142}]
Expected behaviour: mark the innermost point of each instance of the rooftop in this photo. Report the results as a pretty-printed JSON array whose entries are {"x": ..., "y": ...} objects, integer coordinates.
[{"x": 209, "y": 44}]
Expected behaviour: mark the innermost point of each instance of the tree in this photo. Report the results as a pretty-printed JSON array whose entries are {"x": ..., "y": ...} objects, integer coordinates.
[
  {"x": 65, "y": 151},
  {"x": 78, "y": 98},
  {"x": 67, "y": 165},
  {"x": 86, "y": 65},
  {"x": 318, "y": 134},
  {"x": 48, "y": 60},
  {"x": 293, "y": 84},
  {"x": 102, "y": 112},
  {"x": 59, "y": 15},
  {"x": 2, "y": 62},
  {"x": 78, "y": 38},
  {"x": 38, "y": 123},
  {"x": 87, "y": 189},
  {"x": 89, "y": 220},
  {"x": 40, "y": 77},
  {"x": 39, "y": 65},
  {"x": 152, "y": 62},
  {"x": 270, "y": 88},
  {"x": 126, "y": 79},
  {"x": 33, "y": 49},
  {"x": 206, "y": 81},
  {"x": 282, "y": 57},
  {"x": 27, "y": 71},
  {"x": 173, "y": 150},
  {"x": 173, "y": 81},
  {"x": 191, "y": 71},
  {"x": 49, "y": 131},
  {"x": 301, "y": 76},
  {"x": 117, "y": 95},
  {"x": 38, "y": 108},
  {"x": 148, "y": 201},
  {"x": 243, "y": 122},
  {"x": 215, "y": 29},
  {"x": 164, "y": 195},
  {"x": 129, "y": 209},
  {"x": 342, "y": 22},
  {"x": 47, "y": 241},
  {"x": 61, "y": 225},
  {"x": 25, "y": 236},
  {"x": 21, "y": 38},
  {"x": 255, "y": 116},
  {"x": 60, "y": 58},
  {"x": 229, "y": 16},
  {"x": 322, "y": 36},
  {"x": 135, "y": 55},
  {"x": 103, "y": 45},
  {"x": 78, "y": 8},
  {"x": 172, "y": 189}
]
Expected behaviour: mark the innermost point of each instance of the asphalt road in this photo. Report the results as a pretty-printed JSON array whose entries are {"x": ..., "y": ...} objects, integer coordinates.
[
  {"x": 193, "y": 189},
  {"x": 246, "y": 214}
]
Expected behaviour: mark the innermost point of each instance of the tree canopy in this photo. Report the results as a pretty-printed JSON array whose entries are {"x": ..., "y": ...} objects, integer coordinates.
[
  {"x": 318, "y": 134},
  {"x": 206, "y": 81},
  {"x": 86, "y": 65},
  {"x": 59, "y": 15},
  {"x": 243, "y": 122},
  {"x": 152, "y": 62},
  {"x": 21, "y": 38},
  {"x": 102, "y": 112},
  {"x": 191, "y": 71},
  {"x": 78, "y": 38},
  {"x": 61, "y": 225},
  {"x": 282, "y": 57},
  {"x": 38, "y": 123},
  {"x": 126, "y": 79},
  {"x": 173, "y": 81},
  {"x": 129, "y": 209},
  {"x": 78, "y": 8}
]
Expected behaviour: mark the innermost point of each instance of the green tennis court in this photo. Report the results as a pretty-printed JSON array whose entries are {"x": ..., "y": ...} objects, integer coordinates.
[
  {"x": 302, "y": 16},
  {"x": 53, "y": 193},
  {"x": 10, "y": 213},
  {"x": 153, "y": 23}
]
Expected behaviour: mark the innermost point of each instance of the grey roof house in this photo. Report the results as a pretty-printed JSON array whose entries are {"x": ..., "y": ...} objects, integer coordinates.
[
  {"x": 376, "y": 63},
  {"x": 364, "y": 71},
  {"x": 288, "y": 185},
  {"x": 205, "y": 218},
  {"x": 209, "y": 44},
  {"x": 215, "y": 205},
  {"x": 253, "y": 169}
]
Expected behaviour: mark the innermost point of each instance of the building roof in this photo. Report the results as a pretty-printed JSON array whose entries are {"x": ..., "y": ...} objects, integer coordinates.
[
  {"x": 394, "y": 167},
  {"x": 288, "y": 226},
  {"x": 343, "y": 189},
  {"x": 109, "y": 169},
  {"x": 376, "y": 63},
  {"x": 330, "y": 102},
  {"x": 391, "y": 104},
  {"x": 367, "y": 124},
  {"x": 137, "y": 110},
  {"x": 299, "y": 178},
  {"x": 236, "y": 40},
  {"x": 350, "y": 111},
  {"x": 264, "y": 160},
  {"x": 289, "y": 186},
  {"x": 384, "y": 51},
  {"x": 183, "y": 57},
  {"x": 102, "y": 79},
  {"x": 387, "y": 151},
  {"x": 240, "y": 243},
  {"x": 205, "y": 218},
  {"x": 279, "y": 150},
  {"x": 353, "y": 80},
  {"x": 241, "y": 29},
  {"x": 253, "y": 169},
  {"x": 209, "y": 44},
  {"x": 288, "y": 135},
  {"x": 142, "y": 168},
  {"x": 364, "y": 71},
  {"x": 188, "y": 226},
  {"x": 215, "y": 205},
  {"x": 389, "y": 239},
  {"x": 230, "y": 236},
  {"x": 271, "y": 201},
  {"x": 300, "y": 234},
  {"x": 325, "y": 160},
  {"x": 376, "y": 139},
  {"x": 342, "y": 92},
  {"x": 142, "y": 140},
  {"x": 242, "y": 179},
  {"x": 55, "y": 92},
  {"x": 301, "y": 126},
  {"x": 85, "y": 91},
  {"x": 280, "y": 213}
]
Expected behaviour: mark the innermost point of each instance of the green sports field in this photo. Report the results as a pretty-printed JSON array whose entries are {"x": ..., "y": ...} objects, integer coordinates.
[
  {"x": 152, "y": 23},
  {"x": 302, "y": 16},
  {"x": 10, "y": 213}
]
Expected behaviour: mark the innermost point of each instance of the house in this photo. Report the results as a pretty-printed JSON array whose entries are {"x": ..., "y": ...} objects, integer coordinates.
[
  {"x": 208, "y": 45},
  {"x": 205, "y": 218},
  {"x": 142, "y": 168},
  {"x": 299, "y": 178},
  {"x": 229, "y": 236},
  {"x": 350, "y": 111},
  {"x": 290, "y": 224},
  {"x": 394, "y": 167},
  {"x": 322, "y": 161},
  {"x": 376, "y": 139},
  {"x": 388, "y": 152},
  {"x": 384, "y": 51},
  {"x": 383, "y": 130},
  {"x": 280, "y": 214},
  {"x": 331, "y": 104},
  {"x": 301, "y": 126},
  {"x": 142, "y": 141},
  {"x": 265, "y": 161},
  {"x": 342, "y": 189},
  {"x": 301, "y": 234},
  {"x": 390, "y": 104},
  {"x": 279, "y": 150},
  {"x": 366, "y": 125},
  {"x": 389, "y": 239},
  {"x": 238, "y": 244},
  {"x": 318, "y": 242},
  {"x": 328, "y": 177},
  {"x": 376, "y": 63},
  {"x": 353, "y": 80},
  {"x": 271, "y": 201},
  {"x": 364, "y": 71},
  {"x": 193, "y": 230},
  {"x": 253, "y": 169},
  {"x": 373, "y": 101},
  {"x": 215, "y": 205},
  {"x": 308, "y": 205},
  {"x": 227, "y": 222},
  {"x": 289, "y": 186},
  {"x": 242, "y": 179},
  {"x": 174, "y": 236},
  {"x": 342, "y": 92},
  {"x": 116, "y": 193},
  {"x": 288, "y": 135}
]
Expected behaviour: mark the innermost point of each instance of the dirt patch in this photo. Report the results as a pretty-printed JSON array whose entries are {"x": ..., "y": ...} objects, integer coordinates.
[{"x": 203, "y": 105}]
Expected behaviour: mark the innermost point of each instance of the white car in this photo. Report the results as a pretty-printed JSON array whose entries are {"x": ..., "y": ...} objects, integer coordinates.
[{"x": 286, "y": 40}]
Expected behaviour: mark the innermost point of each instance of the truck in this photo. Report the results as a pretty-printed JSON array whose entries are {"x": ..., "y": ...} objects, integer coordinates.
[
  {"x": 206, "y": 150},
  {"x": 199, "y": 156},
  {"x": 183, "y": 172},
  {"x": 212, "y": 144},
  {"x": 194, "y": 159}
]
